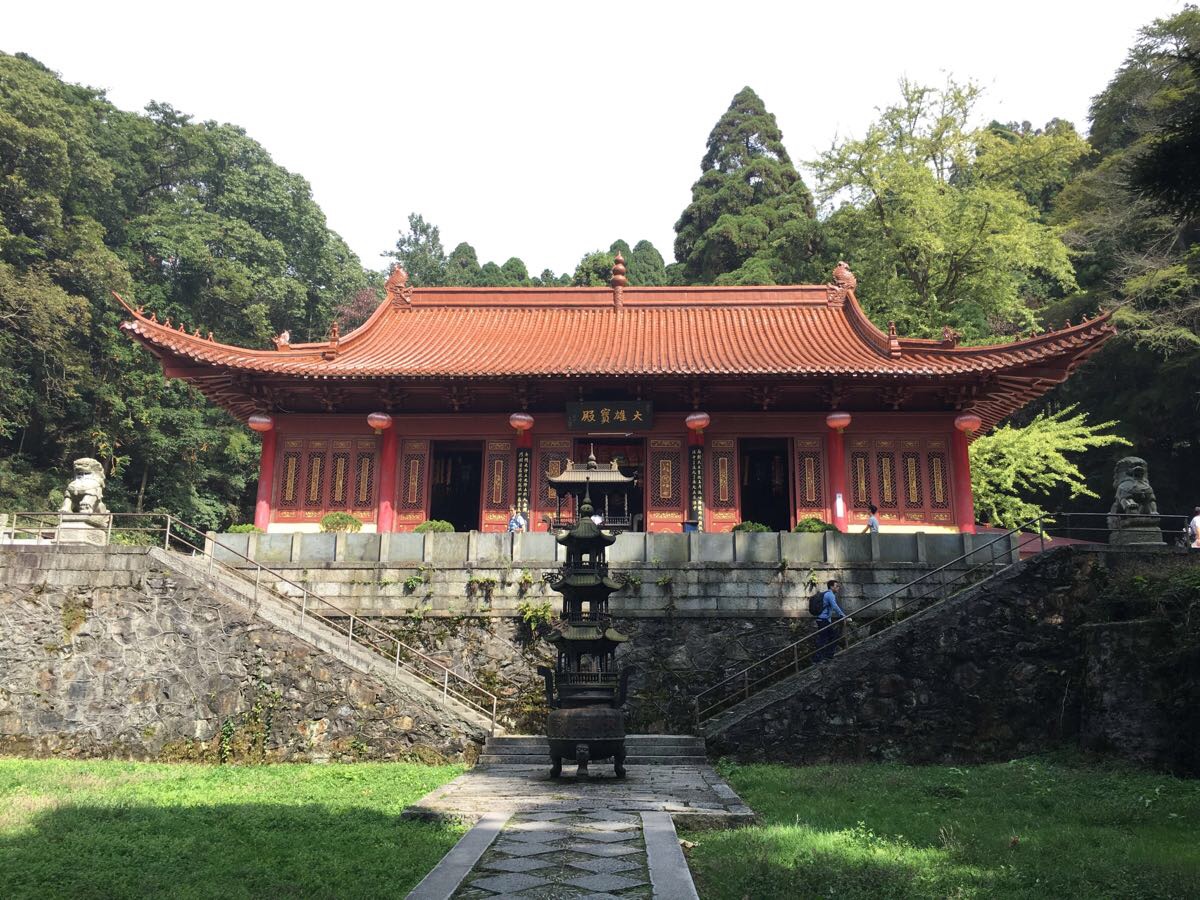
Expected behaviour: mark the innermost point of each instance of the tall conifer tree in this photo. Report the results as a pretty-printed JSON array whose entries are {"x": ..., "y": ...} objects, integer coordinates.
[{"x": 752, "y": 218}]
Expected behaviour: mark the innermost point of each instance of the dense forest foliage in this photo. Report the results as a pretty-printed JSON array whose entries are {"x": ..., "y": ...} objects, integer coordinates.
[{"x": 995, "y": 231}]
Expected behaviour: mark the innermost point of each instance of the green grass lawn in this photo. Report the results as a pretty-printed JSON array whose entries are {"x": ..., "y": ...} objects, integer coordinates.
[
  {"x": 1031, "y": 828},
  {"x": 111, "y": 829}
]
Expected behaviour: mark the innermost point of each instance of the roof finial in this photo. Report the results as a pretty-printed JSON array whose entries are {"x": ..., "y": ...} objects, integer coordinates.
[
  {"x": 843, "y": 283},
  {"x": 284, "y": 341},
  {"x": 618, "y": 280},
  {"x": 591, "y": 460},
  {"x": 893, "y": 341},
  {"x": 399, "y": 291}
]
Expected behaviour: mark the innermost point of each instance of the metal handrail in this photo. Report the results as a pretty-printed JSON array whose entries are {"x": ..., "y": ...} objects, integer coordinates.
[
  {"x": 743, "y": 684},
  {"x": 357, "y": 630}
]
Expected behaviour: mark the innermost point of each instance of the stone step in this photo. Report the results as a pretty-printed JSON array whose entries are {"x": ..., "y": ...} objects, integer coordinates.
[
  {"x": 543, "y": 759},
  {"x": 501, "y": 749},
  {"x": 680, "y": 739},
  {"x": 636, "y": 749}
]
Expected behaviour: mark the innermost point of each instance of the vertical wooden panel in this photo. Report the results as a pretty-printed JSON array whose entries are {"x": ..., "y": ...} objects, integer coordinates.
[{"x": 665, "y": 474}]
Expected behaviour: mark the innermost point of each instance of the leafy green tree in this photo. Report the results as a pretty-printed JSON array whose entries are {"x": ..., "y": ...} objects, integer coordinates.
[
  {"x": 594, "y": 270},
  {"x": 420, "y": 251},
  {"x": 750, "y": 206},
  {"x": 515, "y": 272},
  {"x": 1011, "y": 468},
  {"x": 1136, "y": 252},
  {"x": 645, "y": 265},
  {"x": 462, "y": 267},
  {"x": 193, "y": 220},
  {"x": 936, "y": 215}
]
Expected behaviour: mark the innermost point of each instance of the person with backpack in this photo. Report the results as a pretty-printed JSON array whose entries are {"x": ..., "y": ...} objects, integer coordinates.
[{"x": 829, "y": 628}]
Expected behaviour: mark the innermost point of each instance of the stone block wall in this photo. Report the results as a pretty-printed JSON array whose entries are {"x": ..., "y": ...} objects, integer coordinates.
[
  {"x": 103, "y": 655},
  {"x": 540, "y": 548},
  {"x": 1007, "y": 669}
]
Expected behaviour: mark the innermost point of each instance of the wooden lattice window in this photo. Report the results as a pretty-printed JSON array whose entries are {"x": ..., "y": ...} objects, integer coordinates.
[
  {"x": 664, "y": 479},
  {"x": 810, "y": 492},
  {"x": 939, "y": 489},
  {"x": 413, "y": 464},
  {"x": 339, "y": 479},
  {"x": 860, "y": 479},
  {"x": 914, "y": 488},
  {"x": 723, "y": 494},
  {"x": 498, "y": 468},
  {"x": 314, "y": 480},
  {"x": 885, "y": 472},
  {"x": 289, "y": 490},
  {"x": 364, "y": 480}
]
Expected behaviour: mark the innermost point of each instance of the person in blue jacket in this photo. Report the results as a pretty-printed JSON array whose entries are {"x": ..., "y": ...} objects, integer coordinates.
[{"x": 830, "y": 622}]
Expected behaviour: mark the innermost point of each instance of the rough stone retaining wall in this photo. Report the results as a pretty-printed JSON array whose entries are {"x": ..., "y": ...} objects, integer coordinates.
[
  {"x": 679, "y": 590},
  {"x": 102, "y": 655},
  {"x": 1000, "y": 672}
]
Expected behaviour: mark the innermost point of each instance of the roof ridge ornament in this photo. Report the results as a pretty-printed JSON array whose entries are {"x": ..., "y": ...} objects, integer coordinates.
[
  {"x": 893, "y": 341},
  {"x": 284, "y": 341},
  {"x": 842, "y": 285},
  {"x": 399, "y": 291},
  {"x": 618, "y": 280}
]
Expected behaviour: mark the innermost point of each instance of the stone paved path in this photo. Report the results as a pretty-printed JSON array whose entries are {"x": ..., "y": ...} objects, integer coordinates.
[
  {"x": 694, "y": 794},
  {"x": 599, "y": 838},
  {"x": 547, "y": 856}
]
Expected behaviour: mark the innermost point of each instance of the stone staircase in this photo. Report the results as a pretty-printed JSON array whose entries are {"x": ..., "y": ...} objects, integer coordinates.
[
  {"x": 285, "y": 613},
  {"x": 643, "y": 750}
]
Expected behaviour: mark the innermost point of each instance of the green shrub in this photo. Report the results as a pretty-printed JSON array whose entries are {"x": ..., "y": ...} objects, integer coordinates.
[
  {"x": 752, "y": 527},
  {"x": 245, "y": 529},
  {"x": 434, "y": 525},
  {"x": 340, "y": 521},
  {"x": 535, "y": 615},
  {"x": 813, "y": 525}
]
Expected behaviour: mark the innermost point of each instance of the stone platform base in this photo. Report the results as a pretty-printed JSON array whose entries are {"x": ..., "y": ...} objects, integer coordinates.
[{"x": 695, "y": 796}]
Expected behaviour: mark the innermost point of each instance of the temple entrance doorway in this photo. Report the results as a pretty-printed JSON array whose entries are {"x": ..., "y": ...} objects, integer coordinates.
[
  {"x": 455, "y": 483},
  {"x": 765, "y": 493},
  {"x": 630, "y": 456}
]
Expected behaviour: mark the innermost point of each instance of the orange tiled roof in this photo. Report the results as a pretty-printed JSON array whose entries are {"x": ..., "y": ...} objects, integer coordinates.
[{"x": 449, "y": 333}]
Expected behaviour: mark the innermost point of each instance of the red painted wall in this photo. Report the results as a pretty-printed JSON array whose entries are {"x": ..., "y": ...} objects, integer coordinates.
[{"x": 904, "y": 462}]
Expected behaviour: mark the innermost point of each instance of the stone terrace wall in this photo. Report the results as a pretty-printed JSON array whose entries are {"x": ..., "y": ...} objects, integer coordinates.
[
  {"x": 1002, "y": 671},
  {"x": 101, "y": 655}
]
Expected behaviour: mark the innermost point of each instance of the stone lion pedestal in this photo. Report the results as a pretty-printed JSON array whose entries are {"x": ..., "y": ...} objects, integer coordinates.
[
  {"x": 84, "y": 518},
  {"x": 77, "y": 529},
  {"x": 1133, "y": 519}
]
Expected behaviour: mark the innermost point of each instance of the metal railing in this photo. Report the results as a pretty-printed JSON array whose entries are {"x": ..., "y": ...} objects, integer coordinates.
[
  {"x": 940, "y": 584},
  {"x": 1095, "y": 527},
  {"x": 144, "y": 529}
]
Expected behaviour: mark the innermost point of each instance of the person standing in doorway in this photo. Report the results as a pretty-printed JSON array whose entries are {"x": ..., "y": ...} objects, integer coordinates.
[
  {"x": 829, "y": 622},
  {"x": 873, "y": 521},
  {"x": 516, "y": 521}
]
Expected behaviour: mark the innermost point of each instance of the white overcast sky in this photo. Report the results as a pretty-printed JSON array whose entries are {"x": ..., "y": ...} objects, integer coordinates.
[{"x": 547, "y": 130}]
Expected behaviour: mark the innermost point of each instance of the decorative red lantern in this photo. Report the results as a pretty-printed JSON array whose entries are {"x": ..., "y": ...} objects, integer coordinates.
[
  {"x": 697, "y": 421},
  {"x": 968, "y": 422},
  {"x": 379, "y": 421},
  {"x": 521, "y": 421},
  {"x": 260, "y": 422},
  {"x": 838, "y": 420}
]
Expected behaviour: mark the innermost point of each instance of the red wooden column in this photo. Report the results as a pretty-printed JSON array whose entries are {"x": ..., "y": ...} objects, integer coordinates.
[
  {"x": 385, "y": 520},
  {"x": 964, "y": 500},
  {"x": 266, "y": 481},
  {"x": 838, "y": 496}
]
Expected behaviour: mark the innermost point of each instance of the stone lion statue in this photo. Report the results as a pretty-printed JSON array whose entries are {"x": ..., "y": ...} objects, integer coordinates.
[
  {"x": 1135, "y": 506},
  {"x": 85, "y": 492}
]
